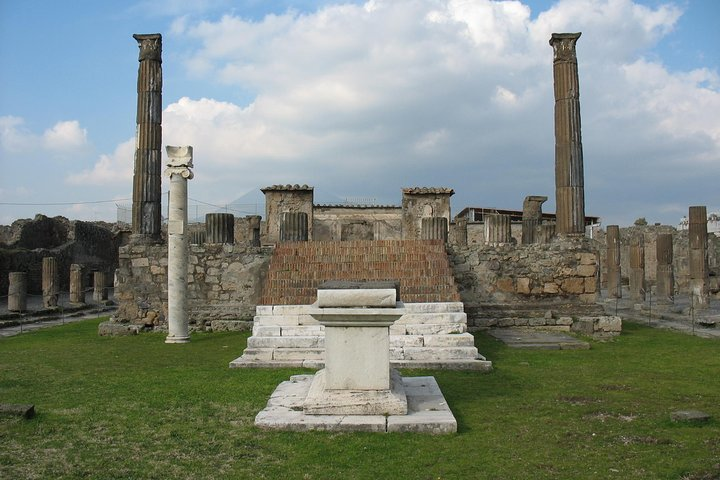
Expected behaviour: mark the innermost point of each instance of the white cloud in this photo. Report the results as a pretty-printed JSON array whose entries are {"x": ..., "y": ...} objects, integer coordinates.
[
  {"x": 65, "y": 135},
  {"x": 352, "y": 90},
  {"x": 114, "y": 169},
  {"x": 14, "y": 136}
]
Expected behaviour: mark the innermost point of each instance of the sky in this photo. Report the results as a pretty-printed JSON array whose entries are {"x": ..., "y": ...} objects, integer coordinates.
[{"x": 361, "y": 99}]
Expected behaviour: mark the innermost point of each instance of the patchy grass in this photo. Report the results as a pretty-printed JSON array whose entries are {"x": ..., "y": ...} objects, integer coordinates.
[{"x": 134, "y": 407}]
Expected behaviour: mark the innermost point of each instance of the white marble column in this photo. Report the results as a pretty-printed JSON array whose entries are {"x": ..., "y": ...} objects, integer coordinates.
[{"x": 178, "y": 169}]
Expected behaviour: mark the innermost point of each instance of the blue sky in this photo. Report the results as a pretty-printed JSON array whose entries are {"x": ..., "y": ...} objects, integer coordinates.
[{"x": 362, "y": 99}]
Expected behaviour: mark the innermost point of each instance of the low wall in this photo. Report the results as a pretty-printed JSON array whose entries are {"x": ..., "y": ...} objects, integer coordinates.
[{"x": 224, "y": 283}]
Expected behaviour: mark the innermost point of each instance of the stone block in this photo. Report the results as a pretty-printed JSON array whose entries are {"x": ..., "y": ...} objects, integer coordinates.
[
  {"x": 586, "y": 270},
  {"x": 608, "y": 324},
  {"x": 357, "y": 298},
  {"x": 276, "y": 320},
  {"x": 587, "y": 258},
  {"x": 506, "y": 322},
  {"x": 505, "y": 285},
  {"x": 551, "y": 287},
  {"x": 396, "y": 353},
  {"x": 26, "y": 411},
  {"x": 290, "y": 309},
  {"x": 523, "y": 286},
  {"x": 406, "y": 341},
  {"x": 437, "y": 307},
  {"x": 456, "y": 340},
  {"x": 690, "y": 416},
  {"x": 264, "y": 354},
  {"x": 590, "y": 285},
  {"x": 398, "y": 329},
  {"x": 112, "y": 329},
  {"x": 440, "y": 353},
  {"x": 285, "y": 342},
  {"x": 140, "y": 262},
  {"x": 435, "y": 329},
  {"x": 264, "y": 310},
  {"x": 431, "y": 317},
  {"x": 564, "y": 321},
  {"x": 574, "y": 285},
  {"x": 299, "y": 354}
]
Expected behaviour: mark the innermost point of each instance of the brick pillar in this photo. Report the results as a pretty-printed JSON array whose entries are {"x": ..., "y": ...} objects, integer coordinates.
[
  {"x": 569, "y": 176},
  {"x": 665, "y": 281},
  {"x": 77, "y": 294},
  {"x": 219, "y": 228},
  {"x": 434, "y": 228},
  {"x": 637, "y": 269},
  {"x": 146, "y": 178},
  {"x": 497, "y": 229},
  {"x": 50, "y": 283},
  {"x": 294, "y": 227},
  {"x": 698, "y": 256},
  {"x": 614, "y": 287},
  {"x": 17, "y": 291}
]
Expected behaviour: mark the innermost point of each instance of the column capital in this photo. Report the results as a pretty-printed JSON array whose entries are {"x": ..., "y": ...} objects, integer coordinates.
[
  {"x": 150, "y": 46},
  {"x": 564, "y": 46},
  {"x": 180, "y": 161}
]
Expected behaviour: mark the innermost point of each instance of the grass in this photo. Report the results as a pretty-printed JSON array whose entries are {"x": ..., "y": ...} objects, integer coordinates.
[{"x": 133, "y": 407}]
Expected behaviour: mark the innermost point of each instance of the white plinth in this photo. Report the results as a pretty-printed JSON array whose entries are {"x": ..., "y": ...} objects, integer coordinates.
[{"x": 357, "y": 358}]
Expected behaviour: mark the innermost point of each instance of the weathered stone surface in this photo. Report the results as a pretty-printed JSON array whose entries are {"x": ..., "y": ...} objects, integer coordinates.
[
  {"x": 690, "y": 416},
  {"x": 613, "y": 262},
  {"x": 111, "y": 329},
  {"x": 17, "y": 410},
  {"x": 50, "y": 282},
  {"x": 17, "y": 292},
  {"x": 356, "y": 298}
]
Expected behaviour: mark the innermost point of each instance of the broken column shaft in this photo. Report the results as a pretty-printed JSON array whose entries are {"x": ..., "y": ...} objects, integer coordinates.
[
  {"x": 77, "y": 294},
  {"x": 532, "y": 218},
  {"x": 497, "y": 229},
  {"x": 637, "y": 269},
  {"x": 148, "y": 141},
  {"x": 50, "y": 285},
  {"x": 178, "y": 169},
  {"x": 17, "y": 291},
  {"x": 569, "y": 181},
  {"x": 614, "y": 287},
  {"x": 665, "y": 282},
  {"x": 698, "y": 256},
  {"x": 434, "y": 228}
]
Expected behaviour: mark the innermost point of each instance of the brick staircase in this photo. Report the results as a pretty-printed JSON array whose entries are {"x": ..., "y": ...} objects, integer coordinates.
[{"x": 421, "y": 267}]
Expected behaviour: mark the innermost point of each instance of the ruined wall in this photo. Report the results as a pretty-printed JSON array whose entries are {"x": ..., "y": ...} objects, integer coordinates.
[
  {"x": 419, "y": 203},
  {"x": 526, "y": 280},
  {"x": 224, "y": 283},
  {"x": 281, "y": 199},
  {"x": 335, "y": 223},
  {"x": 476, "y": 233}
]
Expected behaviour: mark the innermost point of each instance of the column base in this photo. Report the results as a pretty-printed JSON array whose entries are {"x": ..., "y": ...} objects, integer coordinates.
[{"x": 174, "y": 339}]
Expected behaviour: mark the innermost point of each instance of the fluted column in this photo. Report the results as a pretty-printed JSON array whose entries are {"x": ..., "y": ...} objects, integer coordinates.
[
  {"x": 77, "y": 294},
  {"x": 197, "y": 237},
  {"x": 545, "y": 233},
  {"x": 698, "y": 256},
  {"x": 294, "y": 227},
  {"x": 17, "y": 291},
  {"x": 434, "y": 228},
  {"x": 148, "y": 140},
  {"x": 461, "y": 231},
  {"x": 569, "y": 181},
  {"x": 178, "y": 169},
  {"x": 497, "y": 229},
  {"x": 100, "y": 293},
  {"x": 532, "y": 217},
  {"x": 50, "y": 284},
  {"x": 220, "y": 228},
  {"x": 613, "y": 262},
  {"x": 637, "y": 269},
  {"x": 665, "y": 281}
]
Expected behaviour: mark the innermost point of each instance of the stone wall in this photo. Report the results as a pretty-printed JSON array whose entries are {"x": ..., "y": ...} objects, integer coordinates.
[
  {"x": 224, "y": 283},
  {"x": 526, "y": 280},
  {"x": 476, "y": 232},
  {"x": 336, "y": 223}
]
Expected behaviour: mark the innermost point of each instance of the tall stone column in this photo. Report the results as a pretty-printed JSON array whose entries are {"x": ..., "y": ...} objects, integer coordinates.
[
  {"x": 569, "y": 176},
  {"x": 637, "y": 269},
  {"x": 497, "y": 229},
  {"x": 77, "y": 294},
  {"x": 294, "y": 227},
  {"x": 100, "y": 293},
  {"x": 17, "y": 291},
  {"x": 532, "y": 217},
  {"x": 147, "y": 175},
  {"x": 614, "y": 287},
  {"x": 698, "y": 256},
  {"x": 50, "y": 283},
  {"x": 220, "y": 228},
  {"x": 178, "y": 169},
  {"x": 434, "y": 228},
  {"x": 664, "y": 278}
]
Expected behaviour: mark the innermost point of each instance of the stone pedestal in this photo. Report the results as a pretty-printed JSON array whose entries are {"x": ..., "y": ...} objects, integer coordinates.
[
  {"x": 637, "y": 269},
  {"x": 665, "y": 281},
  {"x": 178, "y": 169},
  {"x": 497, "y": 229},
  {"x": 219, "y": 228},
  {"x": 698, "y": 256},
  {"x": 77, "y": 293},
  {"x": 614, "y": 286},
  {"x": 50, "y": 282},
  {"x": 17, "y": 291},
  {"x": 294, "y": 227},
  {"x": 434, "y": 228},
  {"x": 254, "y": 230},
  {"x": 147, "y": 194},
  {"x": 569, "y": 176},
  {"x": 100, "y": 293},
  {"x": 532, "y": 218}
]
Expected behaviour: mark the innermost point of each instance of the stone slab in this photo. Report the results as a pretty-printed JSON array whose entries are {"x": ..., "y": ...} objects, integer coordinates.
[
  {"x": 17, "y": 410},
  {"x": 690, "y": 416},
  {"x": 428, "y": 411},
  {"x": 356, "y": 298},
  {"x": 537, "y": 339}
]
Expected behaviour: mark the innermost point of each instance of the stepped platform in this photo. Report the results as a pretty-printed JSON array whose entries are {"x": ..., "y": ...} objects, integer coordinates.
[{"x": 432, "y": 333}]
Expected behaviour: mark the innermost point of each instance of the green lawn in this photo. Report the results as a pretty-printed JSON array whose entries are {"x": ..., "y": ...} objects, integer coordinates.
[{"x": 134, "y": 407}]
